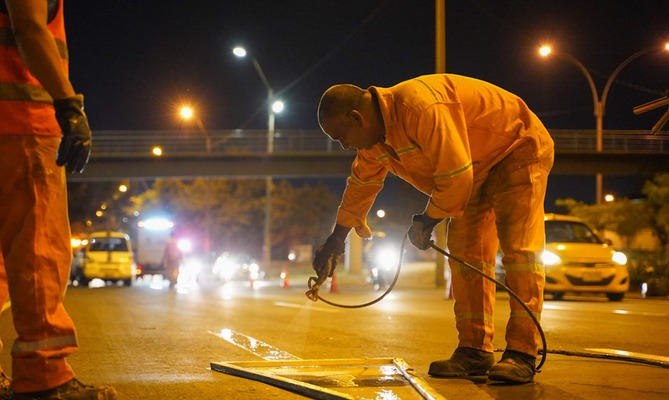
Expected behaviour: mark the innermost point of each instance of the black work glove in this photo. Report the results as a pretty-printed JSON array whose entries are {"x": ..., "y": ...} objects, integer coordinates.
[
  {"x": 333, "y": 246},
  {"x": 75, "y": 146},
  {"x": 421, "y": 231}
]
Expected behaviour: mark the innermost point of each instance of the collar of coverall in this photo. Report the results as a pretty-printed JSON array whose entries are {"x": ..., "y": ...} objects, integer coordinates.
[{"x": 384, "y": 97}]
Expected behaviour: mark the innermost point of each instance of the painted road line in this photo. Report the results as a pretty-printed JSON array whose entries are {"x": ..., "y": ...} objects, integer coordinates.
[
  {"x": 597, "y": 310},
  {"x": 254, "y": 346},
  {"x": 293, "y": 305},
  {"x": 631, "y": 354}
]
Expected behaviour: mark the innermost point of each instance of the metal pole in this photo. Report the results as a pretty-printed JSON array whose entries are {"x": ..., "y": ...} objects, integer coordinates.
[
  {"x": 600, "y": 103},
  {"x": 602, "y": 108},
  {"x": 440, "y": 37},
  {"x": 267, "y": 234},
  {"x": 267, "y": 237},
  {"x": 440, "y": 68},
  {"x": 599, "y": 117}
]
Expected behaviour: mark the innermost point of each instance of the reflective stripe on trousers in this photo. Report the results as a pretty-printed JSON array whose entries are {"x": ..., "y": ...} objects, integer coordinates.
[
  {"x": 36, "y": 255},
  {"x": 507, "y": 203}
]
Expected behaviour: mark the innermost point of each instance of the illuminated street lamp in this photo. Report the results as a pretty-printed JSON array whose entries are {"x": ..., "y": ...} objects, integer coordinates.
[
  {"x": 600, "y": 102},
  {"x": 187, "y": 113},
  {"x": 273, "y": 107}
]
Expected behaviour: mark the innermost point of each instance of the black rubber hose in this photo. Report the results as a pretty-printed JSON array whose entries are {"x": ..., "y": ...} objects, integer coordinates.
[{"x": 442, "y": 251}]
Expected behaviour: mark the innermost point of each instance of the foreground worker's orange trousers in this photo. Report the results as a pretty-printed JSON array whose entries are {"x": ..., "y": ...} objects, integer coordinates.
[
  {"x": 35, "y": 260},
  {"x": 506, "y": 203}
]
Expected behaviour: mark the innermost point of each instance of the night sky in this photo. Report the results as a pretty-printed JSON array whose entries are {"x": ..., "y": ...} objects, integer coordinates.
[{"x": 135, "y": 61}]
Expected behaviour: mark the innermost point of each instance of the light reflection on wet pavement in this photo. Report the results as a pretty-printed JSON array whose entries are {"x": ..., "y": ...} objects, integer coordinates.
[
  {"x": 364, "y": 379},
  {"x": 256, "y": 347}
]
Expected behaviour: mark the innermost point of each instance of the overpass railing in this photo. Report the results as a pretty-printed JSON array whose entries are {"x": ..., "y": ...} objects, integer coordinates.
[{"x": 189, "y": 142}]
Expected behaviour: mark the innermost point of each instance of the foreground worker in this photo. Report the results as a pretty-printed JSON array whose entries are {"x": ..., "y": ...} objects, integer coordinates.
[
  {"x": 38, "y": 106},
  {"x": 483, "y": 158}
]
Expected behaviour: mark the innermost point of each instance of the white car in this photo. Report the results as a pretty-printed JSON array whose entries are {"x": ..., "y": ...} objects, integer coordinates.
[{"x": 577, "y": 260}]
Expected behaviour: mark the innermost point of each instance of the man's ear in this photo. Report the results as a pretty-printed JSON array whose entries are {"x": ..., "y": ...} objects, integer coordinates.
[{"x": 356, "y": 117}]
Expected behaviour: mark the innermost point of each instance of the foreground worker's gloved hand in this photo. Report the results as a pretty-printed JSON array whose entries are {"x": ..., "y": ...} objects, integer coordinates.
[
  {"x": 333, "y": 246},
  {"x": 75, "y": 146},
  {"x": 421, "y": 231}
]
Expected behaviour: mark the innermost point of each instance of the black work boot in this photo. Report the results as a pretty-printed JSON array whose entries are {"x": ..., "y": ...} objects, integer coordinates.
[
  {"x": 465, "y": 361},
  {"x": 514, "y": 367}
]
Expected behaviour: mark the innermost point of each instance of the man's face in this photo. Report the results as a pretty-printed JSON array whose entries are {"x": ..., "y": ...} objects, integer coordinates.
[{"x": 350, "y": 132}]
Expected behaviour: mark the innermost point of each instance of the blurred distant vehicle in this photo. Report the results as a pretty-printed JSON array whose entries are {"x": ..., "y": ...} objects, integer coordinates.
[
  {"x": 107, "y": 256},
  {"x": 237, "y": 267},
  {"x": 152, "y": 237},
  {"x": 577, "y": 260},
  {"x": 382, "y": 259}
]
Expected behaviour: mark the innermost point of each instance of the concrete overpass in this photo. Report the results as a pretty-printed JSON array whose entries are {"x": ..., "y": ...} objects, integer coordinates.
[{"x": 306, "y": 153}]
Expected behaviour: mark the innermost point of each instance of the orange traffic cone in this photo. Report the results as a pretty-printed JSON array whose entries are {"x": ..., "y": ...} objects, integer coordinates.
[
  {"x": 284, "y": 277},
  {"x": 334, "y": 286}
]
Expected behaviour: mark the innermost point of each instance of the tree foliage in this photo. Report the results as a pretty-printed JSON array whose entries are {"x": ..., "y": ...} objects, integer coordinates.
[
  {"x": 627, "y": 217},
  {"x": 623, "y": 216},
  {"x": 657, "y": 193},
  {"x": 232, "y": 212}
]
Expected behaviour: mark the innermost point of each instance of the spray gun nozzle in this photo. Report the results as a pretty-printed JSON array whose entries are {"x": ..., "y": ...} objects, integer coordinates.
[{"x": 315, "y": 282}]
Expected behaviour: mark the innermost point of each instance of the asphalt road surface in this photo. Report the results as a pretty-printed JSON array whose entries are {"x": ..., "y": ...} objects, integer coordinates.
[{"x": 151, "y": 342}]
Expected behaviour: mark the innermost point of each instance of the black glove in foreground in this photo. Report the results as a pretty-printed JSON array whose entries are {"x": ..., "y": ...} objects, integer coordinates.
[
  {"x": 333, "y": 246},
  {"x": 75, "y": 146}
]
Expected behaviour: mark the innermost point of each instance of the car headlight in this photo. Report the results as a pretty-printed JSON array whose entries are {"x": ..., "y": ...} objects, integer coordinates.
[
  {"x": 386, "y": 258},
  {"x": 619, "y": 258},
  {"x": 193, "y": 265},
  {"x": 224, "y": 267},
  {"x": 254, "y": 271},
  {"x": 550, "y": 258}
]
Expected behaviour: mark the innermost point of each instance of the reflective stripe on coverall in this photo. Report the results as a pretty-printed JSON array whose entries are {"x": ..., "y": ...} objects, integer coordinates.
[
  {"x": 27, "y": 108},
  {"x": 34, "y": 226},
  {"x": 483, "y": 158}
]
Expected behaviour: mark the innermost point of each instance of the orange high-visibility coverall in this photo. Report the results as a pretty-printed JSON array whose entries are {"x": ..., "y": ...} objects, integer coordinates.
[
  {"x": 34, "y": 224},
  {"x": 483, "y": 158}
]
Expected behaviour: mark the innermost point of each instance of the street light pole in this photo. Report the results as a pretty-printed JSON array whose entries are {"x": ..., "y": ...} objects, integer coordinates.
[
  {"x": 599, "y": 103},
  {"x": 187, "y": 113},
  {"x": 267, "y": 237}
]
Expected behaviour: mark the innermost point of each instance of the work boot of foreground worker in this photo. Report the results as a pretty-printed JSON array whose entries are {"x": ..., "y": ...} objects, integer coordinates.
[
  {"x": 465, "y": 361},
  {"x": 72, "y": 390},
  {"x": 514, "y": 367}
]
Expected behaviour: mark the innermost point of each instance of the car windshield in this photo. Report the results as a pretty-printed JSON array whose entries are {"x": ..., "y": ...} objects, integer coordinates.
[
  {"x": 108, "y": 244},
  {"x": 569, "y": 232}
]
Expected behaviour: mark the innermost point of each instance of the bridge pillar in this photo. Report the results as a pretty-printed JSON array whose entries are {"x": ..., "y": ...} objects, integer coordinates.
[{"x": 353, "y": 254}]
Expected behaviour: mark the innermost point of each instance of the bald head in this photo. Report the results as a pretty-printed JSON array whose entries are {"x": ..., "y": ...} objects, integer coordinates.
[
  {"x": 351, "y": 116},
  {"x": 338, "y": 100}
]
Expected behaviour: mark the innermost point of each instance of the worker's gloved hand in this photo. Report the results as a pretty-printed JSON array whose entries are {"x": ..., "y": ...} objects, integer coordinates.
[
  {"x": 421, "y": 231},
  {"x": 333, "y": 246},
  {"x": 75, "y": 146}
]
